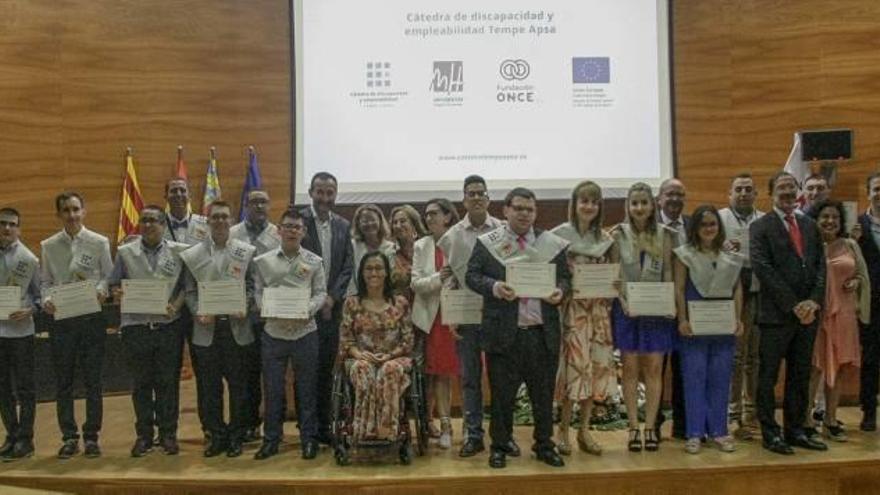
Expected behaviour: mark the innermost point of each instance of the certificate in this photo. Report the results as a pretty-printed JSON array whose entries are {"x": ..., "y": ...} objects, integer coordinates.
[
  {"x": 651, "y": 298},
  {"x": 76, "y": 299},
  {"x": 595, "y": 280},
  {"x": 461, "y": 307},
  {"x": 532, "y": 279},
  {"x": 10, "y": 300},
  {"x": 221, "y": 297},
  {"x": 286, "y": 302},
  {"x": 145, "y": 296},
  {"x": 712, "y": 317}
]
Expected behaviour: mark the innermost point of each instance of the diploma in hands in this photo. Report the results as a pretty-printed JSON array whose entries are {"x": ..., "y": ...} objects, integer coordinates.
[
  {"x": 76, "y": 299},
  {"x": 221, "y": 297},
  {"x": 651, "y": 298},
  {"x": 460, "y": 307},
  {"x": 595, "y": 280},
  {"x": 145, "y": 296},
  {"x": 10, "y": 300},
  {"x": 712, "y": 317},
  {"x": 285, "y": 302},
  {"x": 532, "y": 279}
]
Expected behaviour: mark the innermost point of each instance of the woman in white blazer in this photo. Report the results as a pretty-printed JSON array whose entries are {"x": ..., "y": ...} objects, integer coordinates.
[{"x": 429, "y": 274}]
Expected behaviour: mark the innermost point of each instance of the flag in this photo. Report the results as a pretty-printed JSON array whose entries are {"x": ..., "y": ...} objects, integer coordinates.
[
  {"x": 796, "y": 166},
  {"x": 180, "y": 173},
  {"x": 251, "y": 182},
  {"x": 591, "y": 70},
  {"x": 132, "y": 202},
  {"x": 212, "y": 184}
]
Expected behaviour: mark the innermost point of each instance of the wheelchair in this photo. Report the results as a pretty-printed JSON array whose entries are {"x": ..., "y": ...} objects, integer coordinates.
[{"x": 413, "y": 419}]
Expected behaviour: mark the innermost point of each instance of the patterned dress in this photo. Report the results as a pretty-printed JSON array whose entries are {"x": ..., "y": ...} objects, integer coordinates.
[
  {"x": 586, "y": 361},
  {"x": 378, "y": 388}
]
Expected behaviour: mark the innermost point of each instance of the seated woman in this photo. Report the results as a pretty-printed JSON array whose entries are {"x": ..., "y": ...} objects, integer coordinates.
[{"x": 375, "y": 341}]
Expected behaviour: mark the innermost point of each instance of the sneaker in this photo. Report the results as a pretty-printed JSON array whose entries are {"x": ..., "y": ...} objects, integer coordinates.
[
  {"x": 169, "y": 445},
  {"x": 836, "y": 432},
  {"x": 69, "y": 449},
  {"x": 692, "y": 446},
  {"x": 445, "y": 441},
  {"x": 92, "y": 450},
  {"x": 813, "y": 434},
  {"x": 142, "y": 446},
  {"x": 724, "y": 444}
]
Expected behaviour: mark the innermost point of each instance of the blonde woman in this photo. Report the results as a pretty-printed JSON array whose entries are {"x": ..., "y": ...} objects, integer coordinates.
[{"x": 369, "y": 232}]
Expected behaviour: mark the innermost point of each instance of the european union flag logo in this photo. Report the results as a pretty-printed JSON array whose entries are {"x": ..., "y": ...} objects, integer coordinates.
[{"x": 591, "y": 70}]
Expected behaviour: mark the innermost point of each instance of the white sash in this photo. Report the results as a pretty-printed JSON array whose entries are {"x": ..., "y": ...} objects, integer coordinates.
[
  {"x": 21, "y": 272},
  {"x": 587, "y": 245},
  {"x": 712, "y": 280},
  {"x": 631, "y": 266},
  {"x": 276, "y": 271},
  {"x": 505, "y": 250}
]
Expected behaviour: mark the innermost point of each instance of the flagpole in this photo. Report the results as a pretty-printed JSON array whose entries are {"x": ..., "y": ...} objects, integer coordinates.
[{"x": 213, "y": 152}]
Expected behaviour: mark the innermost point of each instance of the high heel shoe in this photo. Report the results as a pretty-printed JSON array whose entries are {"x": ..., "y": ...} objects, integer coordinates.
[
  {"x": 652, "y": 443},
  {"x": 587, "y": 444},
  {"x": 445, "y": 441},
  {"x": 635, "y": 440},
  {"x": 562, "y": 446}
]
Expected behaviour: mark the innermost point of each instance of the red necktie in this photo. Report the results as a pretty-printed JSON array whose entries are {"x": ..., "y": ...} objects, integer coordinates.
[
  {"x": 794, "y": 232},
  {"x": 521, "y": 240}
]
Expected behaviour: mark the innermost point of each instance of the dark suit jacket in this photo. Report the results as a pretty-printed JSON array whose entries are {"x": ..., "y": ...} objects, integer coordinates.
[
  {"x": 786, "y": 279},
  {"x": 500, "y": 316},
  {"x": 341, "y": 263},
  {"x": 872, "y": 259}
]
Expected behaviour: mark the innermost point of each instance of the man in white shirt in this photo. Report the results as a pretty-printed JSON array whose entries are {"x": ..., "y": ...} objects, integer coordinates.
[{"x": 76, "y": 254}]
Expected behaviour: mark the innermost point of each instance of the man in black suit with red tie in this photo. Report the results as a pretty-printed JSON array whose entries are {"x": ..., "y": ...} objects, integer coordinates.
[
  {"x": 520, "y": 335},
  {"x": 788, "y": 258}
]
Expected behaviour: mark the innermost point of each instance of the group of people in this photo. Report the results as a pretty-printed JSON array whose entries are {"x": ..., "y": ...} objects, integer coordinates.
[{"x": 799, "y": 282}]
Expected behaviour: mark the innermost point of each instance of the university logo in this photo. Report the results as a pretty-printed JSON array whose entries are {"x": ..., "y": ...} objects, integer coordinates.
[
  {"x": 591, "y": 70},
  {"x": 378, "y": 75},
  {"x": 515, "y": 70},
  {"x": 448, "y": 77}
]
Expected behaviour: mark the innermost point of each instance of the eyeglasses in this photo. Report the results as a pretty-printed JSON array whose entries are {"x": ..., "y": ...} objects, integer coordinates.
[
  {"x": 476, "y": 194},
  {"x": 291, "y": 226},
  {"x": 523, "y": 209},
  {"x": 148, "y": 220}
]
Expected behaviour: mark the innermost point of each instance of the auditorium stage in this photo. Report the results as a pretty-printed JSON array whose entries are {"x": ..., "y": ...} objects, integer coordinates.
[{"x": 852, "y": 467}]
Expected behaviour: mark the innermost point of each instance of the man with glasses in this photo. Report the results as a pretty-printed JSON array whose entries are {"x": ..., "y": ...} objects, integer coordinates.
[
  {"x": 458, "y": 244},
  {"x": 153, "y": 340},
  {"x": 291, "y": 339},
  {"x": 262, "y": 234},
  {"x": 19, "y": 268}
]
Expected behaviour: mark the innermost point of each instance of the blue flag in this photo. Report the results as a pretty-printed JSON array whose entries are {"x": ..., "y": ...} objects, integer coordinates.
[{"x": 253, "y": 181}]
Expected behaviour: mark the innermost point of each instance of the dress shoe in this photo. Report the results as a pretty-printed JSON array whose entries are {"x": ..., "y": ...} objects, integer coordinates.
[
  {"x": 813, "y": 434},
  {"x": 91, "y": 449},
  {"x": 169, "y": 445},
  {"x": 142, "y": 446},
  {"x": 549, "y": 457},
  {"x": 471, "y": 447},
  {"x": 803, "y": 441},
  {"x": 497, "y": 459},
  {"x": 267, "y": 450},
  {"x": 252, "y": 435},
  {"x": 235, "y": 448},
  {"x": 23, "y": 448},
  {"x": 68, "y": 449},
  {"x": 310, "y": 450},
  {"x": 869, "y": 420},
  {"x": 216, "y": 446},
  {"x": 512, "y": 449},
  {"x": 777, "y": 445},
  {"x": 7, "y": 447}
]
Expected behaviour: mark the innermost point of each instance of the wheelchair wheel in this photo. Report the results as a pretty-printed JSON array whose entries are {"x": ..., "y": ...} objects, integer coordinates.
[
  {"x": 406, "y": 454},
  {"x": 418, "y": 404},
  {"x": 340, "y": 453},
  {"x": 341, "y": 409}
]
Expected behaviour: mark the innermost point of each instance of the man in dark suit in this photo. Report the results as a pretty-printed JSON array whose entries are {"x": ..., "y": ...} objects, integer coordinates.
[
  {"x": 329, "y": 236},
  {"x": 520, "y": 335},
  {"x": 868, "y": 234},
  {"x": 788, "y": 258}
]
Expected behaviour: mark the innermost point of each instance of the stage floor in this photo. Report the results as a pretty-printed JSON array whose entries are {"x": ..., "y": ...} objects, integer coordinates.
[{"x": 670, "y": 470}]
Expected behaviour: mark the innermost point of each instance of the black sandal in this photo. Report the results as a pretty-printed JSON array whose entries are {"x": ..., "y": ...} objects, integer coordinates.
[
  {"x": 652, "y": 443},
  {"x": 635, "y": 440}
]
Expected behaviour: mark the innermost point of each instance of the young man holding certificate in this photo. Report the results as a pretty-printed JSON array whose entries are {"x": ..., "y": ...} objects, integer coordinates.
[
  {"x": 290, "y": 289},
  {"x": 147, "y": 281},
  {"x": 219, "y": 290},
  {"x": 19, "y": 271},
  {"x": 74, "y": 266},
  {"x": 522, "y": 274}
]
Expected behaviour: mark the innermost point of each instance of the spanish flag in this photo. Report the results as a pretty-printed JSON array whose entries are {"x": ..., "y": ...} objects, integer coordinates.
[
  {"x": 132, "y": 201},
  {"x": 212, "y": 183}
]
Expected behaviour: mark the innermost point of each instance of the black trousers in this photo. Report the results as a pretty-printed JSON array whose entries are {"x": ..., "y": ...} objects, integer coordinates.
[
  {"x": 530, "y": 362},
  {"x": 869, "y": 337},
  {"x": 328, "y": 348},
  {"x": 793, "y": 343},
  {"x": 678, "y": 408},
  {"x": 154, "y": 356},
  {"x": 253, "y": 391},
  {"x": 303, "y": 354},
  {"x": 18, "y": 404},
  {"x": 80, "y": 339},
  {"x": 223, "y": 359}
]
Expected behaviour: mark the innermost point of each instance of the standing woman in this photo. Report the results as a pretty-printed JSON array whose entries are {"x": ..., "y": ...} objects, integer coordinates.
[
  {"x": 645, "y": 249},
  {"x": 430, "y": 274},
  {"x": 369, "y": 232},
  {"x": 586, "y": 365},
  {"x": 406, "y": 228},
  {"x": 704, "y": 272},
  {"x": 836, "y": 351}
]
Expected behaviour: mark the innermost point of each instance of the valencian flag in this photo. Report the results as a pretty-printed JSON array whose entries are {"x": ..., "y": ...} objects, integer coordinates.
[
  {"x": 132, "y": 201},
  {"x": 253, "y": 181},
  {"x": 212, "y": 183}
]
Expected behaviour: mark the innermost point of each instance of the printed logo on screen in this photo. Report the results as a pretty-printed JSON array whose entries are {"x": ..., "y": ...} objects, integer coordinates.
[
  {"x": 513, "y": 92},
  {"x": 378, "y": 74},
  {"x": 377, "y": 91},
  {"x": 447, "y": 83},
  {"x": 591, "y": 77}
]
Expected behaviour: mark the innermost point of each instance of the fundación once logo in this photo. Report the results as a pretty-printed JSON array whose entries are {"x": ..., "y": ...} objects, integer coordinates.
[
  {"x": 448, "y": 77},
  {"x": 378, "y": 74},
  {"x": 515, "y": 70},
  {"x": 591, "y": 70},
  {"x": 514, "y": 91}
]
